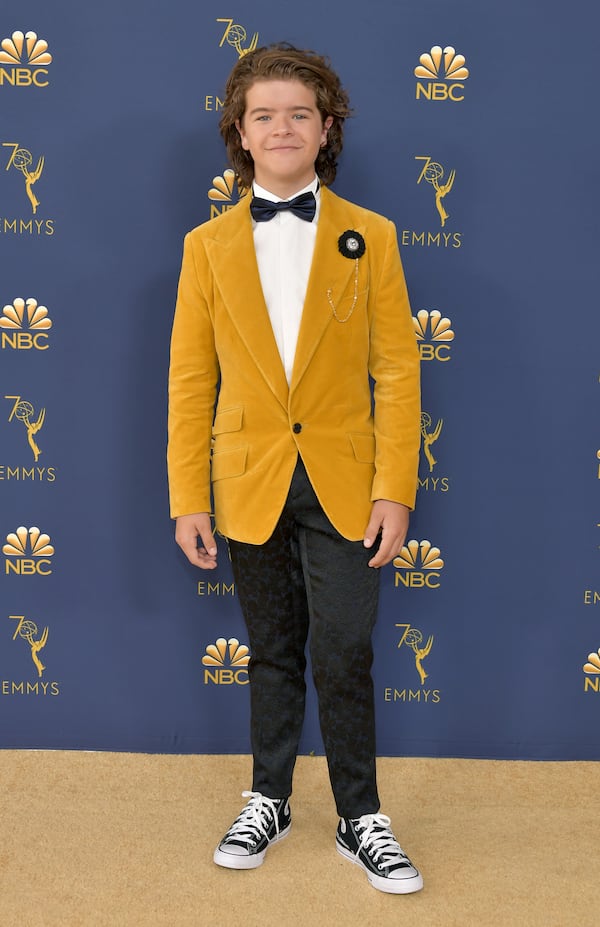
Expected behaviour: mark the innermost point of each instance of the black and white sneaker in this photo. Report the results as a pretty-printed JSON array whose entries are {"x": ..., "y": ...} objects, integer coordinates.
[
  {"x": 262, "y": 822},
  {"x": 369, "y": 842}
]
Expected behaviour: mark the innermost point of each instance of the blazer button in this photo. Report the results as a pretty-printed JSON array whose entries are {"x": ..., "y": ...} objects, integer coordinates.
[{"x": 297, "y": 428}]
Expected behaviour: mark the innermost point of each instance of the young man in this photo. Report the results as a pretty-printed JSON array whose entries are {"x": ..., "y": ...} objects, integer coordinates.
[{"x": 291, "y": 301}]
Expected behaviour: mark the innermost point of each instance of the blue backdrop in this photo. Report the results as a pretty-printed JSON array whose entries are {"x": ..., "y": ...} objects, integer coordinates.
[{"x": 476, "y": 132}]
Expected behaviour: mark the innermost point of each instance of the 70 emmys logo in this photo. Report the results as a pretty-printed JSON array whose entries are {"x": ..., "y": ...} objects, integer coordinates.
[
  {"x": 25, "y": 56},
  {"x": 406, "y": 565},
  {"x": 24, "y": 412},
  {"x": 235, "y": 35},
  {"x": 441, "y": 77},
  {"x": 21, "y": 542},
  {"x": 22, "y": 160}
]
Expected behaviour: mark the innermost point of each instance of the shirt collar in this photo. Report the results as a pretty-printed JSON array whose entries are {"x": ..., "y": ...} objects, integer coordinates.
[{"x": 313, "y": 187}]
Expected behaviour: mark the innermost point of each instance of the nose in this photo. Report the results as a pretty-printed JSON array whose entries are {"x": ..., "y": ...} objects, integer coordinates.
[{"x": 282, "y": 125}]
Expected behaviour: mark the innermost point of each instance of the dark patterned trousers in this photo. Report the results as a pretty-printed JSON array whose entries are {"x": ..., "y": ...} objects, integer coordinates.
[{"x": 307, "y": 577}]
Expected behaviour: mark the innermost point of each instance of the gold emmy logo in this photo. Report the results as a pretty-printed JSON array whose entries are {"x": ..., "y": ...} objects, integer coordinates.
[
  {"x": 27, "y": 630},
  {"x": 433, "y": 173},
  {"x": 413, "y": 638},
  {"x": 26, "y": 57},
  {"x": 31, "y": 541},
  {"x": 236, "y": 654},
  {"x": 22, "y": 159},
  {"x": 23, "y": 411},
  {"x": 430, "y": 437},
  {"x": 225, "y": 192},
  {"x": 592, "y": 669},
  {"x": 417, "y": 553},
  {"x": 434, "y": 334},
  {"x": 598, "y": 457},
  {"x": 443, "y": 71},
  {"x": 235, "y": 36}
]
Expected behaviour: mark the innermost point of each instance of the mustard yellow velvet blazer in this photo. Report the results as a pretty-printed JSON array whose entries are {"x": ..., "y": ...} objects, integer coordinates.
[{"x": 236, "y": 424}]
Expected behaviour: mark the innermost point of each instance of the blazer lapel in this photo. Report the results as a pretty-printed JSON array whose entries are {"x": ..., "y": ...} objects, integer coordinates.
[
  {"x": 331, "y": 275},
  {"x": 233, "y": 261}
]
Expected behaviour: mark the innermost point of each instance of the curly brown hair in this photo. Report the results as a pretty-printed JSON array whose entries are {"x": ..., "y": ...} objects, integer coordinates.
[{"x": 283, "y": 61}]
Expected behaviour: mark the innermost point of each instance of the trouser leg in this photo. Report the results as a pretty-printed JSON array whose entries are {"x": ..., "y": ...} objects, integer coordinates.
[
  {"x": 272, "y": 597},
  {"x": 343, "y": 594},
  {"x": 308, "y": 568}
]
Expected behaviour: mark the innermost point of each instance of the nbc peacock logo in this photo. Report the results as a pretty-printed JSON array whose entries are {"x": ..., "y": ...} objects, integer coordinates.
[
  {"x": 440, "y": 75},
  {"x": 434, "y": 335},
  {"x": 418, "y": 566},
  {"x": 24, "y": 325},
  {"x": 591, "y": 668},
  {"x": 226, "y": 662},
  {"x": 28, "y": 552},
  {"x": 225, "y": 192},
  {"x": 23, "y": 60}
]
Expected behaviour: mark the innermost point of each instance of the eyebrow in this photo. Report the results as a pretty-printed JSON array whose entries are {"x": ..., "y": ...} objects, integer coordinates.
[{"x": 272, "y": 109}]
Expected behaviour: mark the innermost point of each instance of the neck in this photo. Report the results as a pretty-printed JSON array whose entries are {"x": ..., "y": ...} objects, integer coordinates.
[{"x": 284, "y": 189}]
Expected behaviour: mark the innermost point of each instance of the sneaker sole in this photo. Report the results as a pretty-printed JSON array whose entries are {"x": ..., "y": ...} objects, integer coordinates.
[
  {"x": 231, "y": 861},
  {"x": 391, "y": 886}
]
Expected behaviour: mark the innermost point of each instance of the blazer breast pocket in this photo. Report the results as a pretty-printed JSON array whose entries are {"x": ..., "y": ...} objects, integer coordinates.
[{"x": 345, "y": 306}]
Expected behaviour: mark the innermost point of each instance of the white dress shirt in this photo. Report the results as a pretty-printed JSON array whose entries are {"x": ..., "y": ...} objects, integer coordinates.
[{"x": 284, "y": 250}]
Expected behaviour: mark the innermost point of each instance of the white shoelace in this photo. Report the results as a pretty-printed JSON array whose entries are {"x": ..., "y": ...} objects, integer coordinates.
[
  {"x": 254, "y": 818},
  {"x": 379, "y": 841}
]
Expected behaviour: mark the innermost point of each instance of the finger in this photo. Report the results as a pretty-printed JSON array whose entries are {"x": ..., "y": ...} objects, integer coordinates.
[
  {"x": 198, "y": 556},
  {"x": 204, "y": 561},
  {"x": 208, "y": 541},
  {"x": 386, "y": 552},
  {"x": 388, "y": 549},
  {"x": 371, "y": 531}
]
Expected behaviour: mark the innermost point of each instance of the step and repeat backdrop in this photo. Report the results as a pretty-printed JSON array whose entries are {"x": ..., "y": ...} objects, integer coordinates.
[{"x": 474, "y": 130}]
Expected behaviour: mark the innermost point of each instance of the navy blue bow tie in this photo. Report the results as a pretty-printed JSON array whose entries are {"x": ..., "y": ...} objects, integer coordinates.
[{"x": 304, "y": 206}]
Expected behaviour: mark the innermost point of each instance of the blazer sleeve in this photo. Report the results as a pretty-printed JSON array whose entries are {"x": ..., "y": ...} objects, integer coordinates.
[
  {"x": 394, "y": 365},
  {"x": 193, "y": 377}
]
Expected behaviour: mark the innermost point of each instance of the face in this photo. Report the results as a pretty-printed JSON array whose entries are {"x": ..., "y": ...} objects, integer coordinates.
[{"x": 283, "y": 131}]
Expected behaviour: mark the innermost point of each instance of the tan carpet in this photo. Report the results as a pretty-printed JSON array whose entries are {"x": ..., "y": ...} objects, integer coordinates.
[{"x": 96, "y": 839}]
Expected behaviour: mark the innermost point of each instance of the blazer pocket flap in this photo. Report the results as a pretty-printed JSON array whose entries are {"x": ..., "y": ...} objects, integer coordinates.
[
  {"x": 230, "y": 463},
  {"x": 227, "y": 420},
  {"x": 363, "y": 447}
]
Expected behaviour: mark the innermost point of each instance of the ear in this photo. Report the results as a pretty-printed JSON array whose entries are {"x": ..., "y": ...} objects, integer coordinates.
[
  {"x": 238, "y": 126},
  {"x": 326, "y": 126}
]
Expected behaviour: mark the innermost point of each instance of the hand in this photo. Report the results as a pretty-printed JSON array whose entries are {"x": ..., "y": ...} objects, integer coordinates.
[
  {"x": 188, "y": 528},
  {"x": 392, "y": 519}
]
